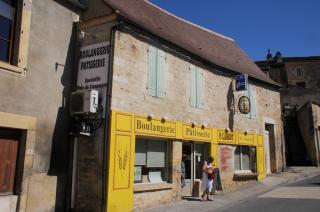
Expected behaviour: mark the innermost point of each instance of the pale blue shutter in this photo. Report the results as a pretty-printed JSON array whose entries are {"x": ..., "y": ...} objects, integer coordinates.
[
  {"x": 161, "y": 61},
  {"x": 253, "y": 102},
  {"x": 200, "y": 95},
  {"x": 193, "y": 86},
  {"x": 152, "y": 82},
  {"x": 247, "y": 92}
]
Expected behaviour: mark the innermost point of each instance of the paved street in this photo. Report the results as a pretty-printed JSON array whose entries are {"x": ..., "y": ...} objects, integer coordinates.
[
  {"x": 299, "y": 196},
  {"x": 298, "y": 189}
]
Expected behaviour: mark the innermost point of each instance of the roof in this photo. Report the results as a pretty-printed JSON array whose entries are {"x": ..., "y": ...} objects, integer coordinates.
[
  {"x": 209, "y": 45},
  {"x": 291, "y": 59}
]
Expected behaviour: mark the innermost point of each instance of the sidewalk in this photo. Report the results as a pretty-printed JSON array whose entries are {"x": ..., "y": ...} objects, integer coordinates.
[{"x": 229, "y": 198}]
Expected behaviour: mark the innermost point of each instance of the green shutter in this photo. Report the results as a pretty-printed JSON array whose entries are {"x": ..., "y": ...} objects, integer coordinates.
[
  {"x": 152, "y": 82},
  {"x": 253, "y": 102},
  {"x": 200, "y": 95},
  {"x": 193, "y": 86},
  {"x": 161, "y": 59}
]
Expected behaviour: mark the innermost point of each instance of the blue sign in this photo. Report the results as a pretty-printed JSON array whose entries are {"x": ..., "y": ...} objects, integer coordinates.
[{"x": 241, "y": 82}]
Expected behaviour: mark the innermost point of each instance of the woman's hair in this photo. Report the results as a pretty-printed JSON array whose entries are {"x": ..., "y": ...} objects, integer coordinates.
[{"x": 210, "y": 159}]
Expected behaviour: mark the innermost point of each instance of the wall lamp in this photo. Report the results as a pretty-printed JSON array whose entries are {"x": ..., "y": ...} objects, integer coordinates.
[
  {"x": 164, "y": 119},
  {"x": 149, "y": 117},
  {"x": 204, "y": 125}
]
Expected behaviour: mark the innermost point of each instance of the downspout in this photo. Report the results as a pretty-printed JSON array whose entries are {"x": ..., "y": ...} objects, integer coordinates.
[
  {"x": 73, "y": 146},
  {"x": 107, "y": 116}
]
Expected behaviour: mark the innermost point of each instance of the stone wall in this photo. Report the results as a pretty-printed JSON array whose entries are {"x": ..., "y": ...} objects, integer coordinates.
[
  {"x": 129, "y": 92},
  {"x": 89, "y": 183},
  {"x": 310, "y": 73}
]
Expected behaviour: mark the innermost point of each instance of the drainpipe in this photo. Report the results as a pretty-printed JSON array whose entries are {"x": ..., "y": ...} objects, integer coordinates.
[
  {"x": 73, "y": 146},
  {"x": 107, "y": 116}
]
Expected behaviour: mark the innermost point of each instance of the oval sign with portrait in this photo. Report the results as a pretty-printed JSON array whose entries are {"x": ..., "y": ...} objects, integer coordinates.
[{"x": 244, "y": 105}]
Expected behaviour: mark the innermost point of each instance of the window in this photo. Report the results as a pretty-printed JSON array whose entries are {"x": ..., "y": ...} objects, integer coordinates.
[
  {"x": 301, "y": 84},
  {"x": 251, "y": 92},
  {"x": 196, "y": 87},
  {"x": 156, "y": 85},
  {"x": 7, "y": 23},
  {"x": 151, "y": 163},
  {"x": 245, "y": 158},
  {"x": 299, "y": 72}
]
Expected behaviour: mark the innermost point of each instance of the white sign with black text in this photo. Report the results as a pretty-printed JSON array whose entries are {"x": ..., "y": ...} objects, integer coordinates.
[{"x": 93, "y": 68}]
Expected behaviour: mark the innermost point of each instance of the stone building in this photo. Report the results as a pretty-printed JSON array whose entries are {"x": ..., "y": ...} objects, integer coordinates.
[
  {"x": 166, "y": 89},
  {"x": 300, "y": 80},
  {"x": 170, "y": 92},
  {"x": 37, "y": 45}
]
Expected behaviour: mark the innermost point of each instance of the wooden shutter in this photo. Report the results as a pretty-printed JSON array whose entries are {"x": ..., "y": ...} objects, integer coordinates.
[
  {"x": 161, "y": 60},
  {"x": 200, "y": 95},
  {"x": 193, "y": 86},
  {"x": 152, "y": 81},
  {"x": 8, "y": 159}
]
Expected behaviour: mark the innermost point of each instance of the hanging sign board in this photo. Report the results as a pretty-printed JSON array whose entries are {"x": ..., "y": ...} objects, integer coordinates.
[
  {"x": 241, "y": 82},
  {"x": 93, "y": 68}
]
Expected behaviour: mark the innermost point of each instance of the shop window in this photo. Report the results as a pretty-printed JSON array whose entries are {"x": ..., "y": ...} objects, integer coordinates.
[
  {"x": 245, "y": 158},
  {"x": 251, "y": 93},
  {"x": 151, "y": 163},
  {"x": 7, "y": 24},
  {"x": 156, "y": 82},
  {"x": 196, "y": 87}
]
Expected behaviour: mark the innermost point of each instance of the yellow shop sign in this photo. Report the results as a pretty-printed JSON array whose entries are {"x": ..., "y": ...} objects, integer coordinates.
[
  {"x": 154, "y": 127},
  {"x": 247, "y": 139},
  {"x": 229, "y": 137},
  {"x": 196, "y": 133}
]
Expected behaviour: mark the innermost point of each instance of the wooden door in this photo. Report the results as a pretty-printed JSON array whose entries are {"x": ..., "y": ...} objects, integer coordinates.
[{"x": 9, "y": 140}]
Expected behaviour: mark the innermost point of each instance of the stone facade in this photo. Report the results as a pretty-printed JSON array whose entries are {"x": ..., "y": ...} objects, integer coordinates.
[{"x": 130, "y": 94}]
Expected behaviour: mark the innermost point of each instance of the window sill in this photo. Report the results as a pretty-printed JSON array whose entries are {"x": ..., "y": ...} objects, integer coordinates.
[
  {"x": 245, "y": 174},
  {"x": 141, "y": 187},
  {"x": 11, "y": 68}
]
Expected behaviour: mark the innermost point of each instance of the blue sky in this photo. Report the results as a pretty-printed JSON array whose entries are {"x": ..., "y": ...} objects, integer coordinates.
[{"x": 289, "y": 26}]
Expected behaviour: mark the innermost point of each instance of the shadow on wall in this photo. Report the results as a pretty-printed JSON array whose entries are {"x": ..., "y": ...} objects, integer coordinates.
[
  {"x": 230, "y": 106},
  {"x": 62, "y": 143}
]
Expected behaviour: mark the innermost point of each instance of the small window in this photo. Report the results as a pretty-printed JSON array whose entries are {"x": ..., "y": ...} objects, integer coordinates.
[
  {"x": 301, "y": 84},
  {"x": 245, "y": 158},
  {"x": 156, "y": 81},
  {"x": 299, "y": 72},
  {"x": 151, "y": 163},
  {"x": 7, "y": 24},
  {"x": 196, "y": 87}
]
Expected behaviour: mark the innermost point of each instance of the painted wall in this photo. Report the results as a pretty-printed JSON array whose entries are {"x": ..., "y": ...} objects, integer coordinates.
[
  {"x": 42, "y": 93},
  {"x": 129, "y": 92}
]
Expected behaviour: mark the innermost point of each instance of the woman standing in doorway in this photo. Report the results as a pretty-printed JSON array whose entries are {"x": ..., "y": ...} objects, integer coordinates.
[{"x": 206, "y": 181}]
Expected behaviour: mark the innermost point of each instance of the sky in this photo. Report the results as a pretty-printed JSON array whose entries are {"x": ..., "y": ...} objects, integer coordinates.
[{"x": 289, "y": 26}]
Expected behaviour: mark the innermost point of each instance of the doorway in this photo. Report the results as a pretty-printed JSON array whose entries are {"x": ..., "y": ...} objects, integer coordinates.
[
  {"x": 194, "y": 154},
  {"x": 267, "y": 152},
  {"x": 270, "y": 149}
]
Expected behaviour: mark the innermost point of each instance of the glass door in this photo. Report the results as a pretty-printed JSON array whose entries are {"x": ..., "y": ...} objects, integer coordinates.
[
  {"x": 193, "y": 155},
  {"x": 187, "y": 162}
]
